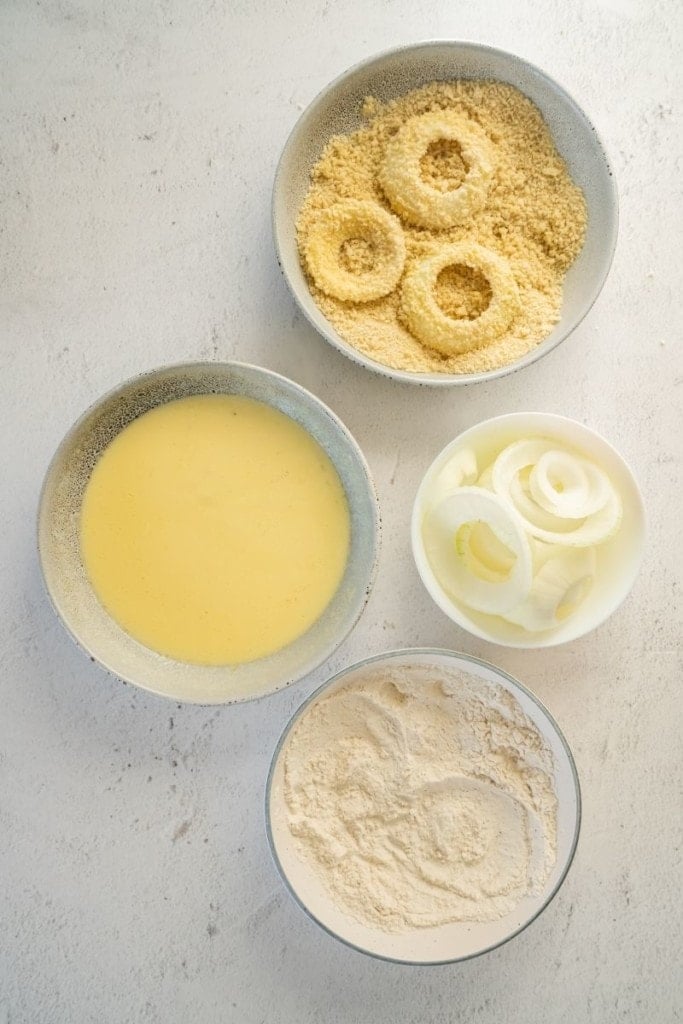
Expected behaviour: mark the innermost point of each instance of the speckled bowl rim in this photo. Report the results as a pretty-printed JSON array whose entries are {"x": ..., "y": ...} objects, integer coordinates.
[
  {"x": 459, "y": 656},
  {"x": 372, "y": 569},
  {"x": 328, "y": 332}
]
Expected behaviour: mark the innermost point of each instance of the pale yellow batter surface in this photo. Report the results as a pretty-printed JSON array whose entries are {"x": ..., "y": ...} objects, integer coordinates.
[{"x": 214, "y": 529}]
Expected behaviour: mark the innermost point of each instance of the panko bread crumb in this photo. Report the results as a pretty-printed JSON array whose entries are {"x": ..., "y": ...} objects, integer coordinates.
[{"x": 534, "y": 217}]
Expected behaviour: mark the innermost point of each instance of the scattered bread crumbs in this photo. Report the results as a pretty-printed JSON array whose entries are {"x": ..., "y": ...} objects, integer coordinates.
[{"x": 534, "y": 217}]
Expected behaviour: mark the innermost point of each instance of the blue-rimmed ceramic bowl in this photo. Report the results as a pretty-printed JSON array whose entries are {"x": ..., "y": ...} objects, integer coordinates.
[{"x": 74, "y": 599}]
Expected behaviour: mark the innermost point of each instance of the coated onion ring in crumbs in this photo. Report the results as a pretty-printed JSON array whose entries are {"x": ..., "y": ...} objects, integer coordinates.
[
  {"x": 533, "y": 218},
  {"x": 420, "y": 201},
  {"x": 373, "y": 268},
  {"x": 450, "y": 335}
]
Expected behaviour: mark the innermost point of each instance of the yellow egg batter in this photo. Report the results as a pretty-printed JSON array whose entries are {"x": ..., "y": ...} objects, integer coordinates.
[{"x": 214, "y": 529}]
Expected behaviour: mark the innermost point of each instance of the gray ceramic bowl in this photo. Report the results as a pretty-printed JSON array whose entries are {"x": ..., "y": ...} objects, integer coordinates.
[
  {"x": 336, "y": 110},
  {"x": 69, "y": 588}
]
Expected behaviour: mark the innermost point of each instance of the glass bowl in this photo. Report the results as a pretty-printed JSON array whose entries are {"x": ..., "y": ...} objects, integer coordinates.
[{"x": 448, "y": 943}]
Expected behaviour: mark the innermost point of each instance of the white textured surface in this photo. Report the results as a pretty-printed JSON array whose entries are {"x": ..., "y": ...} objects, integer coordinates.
[{"x": 138, "y": 148}]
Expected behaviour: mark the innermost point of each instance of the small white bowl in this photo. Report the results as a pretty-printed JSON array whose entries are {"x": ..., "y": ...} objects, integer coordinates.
[
  {"x": 447, "y": 943},
  {"x": 388, "y": 75},
  {"x": 74, "y": 599},
  {"x": 618, "y": 559}
]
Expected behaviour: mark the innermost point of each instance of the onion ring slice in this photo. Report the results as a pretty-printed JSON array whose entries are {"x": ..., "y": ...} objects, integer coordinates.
[
  {"x": 568, "y": 486},
  {"x": 594, "y": 529},
  {"x": 400, "y": 175},
  {"x": 460, "y": 471},
  {"x": 559, "y": 485},
  {"x": 447, "y": 550},
  {"x": 559, "y": 586},
  {"x": 342, "y": 222},
  {"x": 528, "y": 509},
  {"x": 448, "y": 335},
  {"x": 486, "y": 479}
]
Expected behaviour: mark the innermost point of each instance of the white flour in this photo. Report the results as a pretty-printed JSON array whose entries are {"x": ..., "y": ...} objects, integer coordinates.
[{"x": 422, "y": 798}]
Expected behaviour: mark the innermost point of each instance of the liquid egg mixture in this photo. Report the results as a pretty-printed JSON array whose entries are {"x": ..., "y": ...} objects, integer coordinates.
[{"x": 214, "y": 529}]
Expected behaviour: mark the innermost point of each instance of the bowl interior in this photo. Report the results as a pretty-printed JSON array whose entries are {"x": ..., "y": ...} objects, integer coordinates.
[
  {"x": 337, "y": 110},
  {"x": 74, "y": 598},
  {"x": 618, "y": 560},
  {"x": 449, "y": 942}
]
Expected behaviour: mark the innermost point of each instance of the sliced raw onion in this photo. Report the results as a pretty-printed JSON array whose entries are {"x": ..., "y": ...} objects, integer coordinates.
[
  {"x": 483, "y": 553},
  {"x": 541, "y": 552},
  {"x": 460, "y": 471},
  {"x": 529, "y": 510},
  {"x": 593, "y": 529},
  {"x": 458, "y": 569},
  {"x": 559, "y": 586},
  {"x": 568, "y": 486}
]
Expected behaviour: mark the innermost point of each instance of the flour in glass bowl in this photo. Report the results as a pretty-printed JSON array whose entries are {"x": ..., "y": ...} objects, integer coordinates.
[{"x": 421, "y": 797}]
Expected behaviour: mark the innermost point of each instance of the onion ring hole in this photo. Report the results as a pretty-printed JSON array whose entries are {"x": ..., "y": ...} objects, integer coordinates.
[
  {"x": 462, "y": 292},
  {"x": 443, "y": 166}
]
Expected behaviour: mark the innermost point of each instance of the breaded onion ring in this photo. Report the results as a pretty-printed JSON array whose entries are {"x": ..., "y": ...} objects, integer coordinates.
[
  {"x": 434, "y": 328},
  {"x": 355, "y": 219},
  {"x": 401, "y": 179}
]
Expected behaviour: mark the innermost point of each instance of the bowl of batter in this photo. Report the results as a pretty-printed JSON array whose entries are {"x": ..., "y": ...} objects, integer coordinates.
[{"x": 208, "y": 531}]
